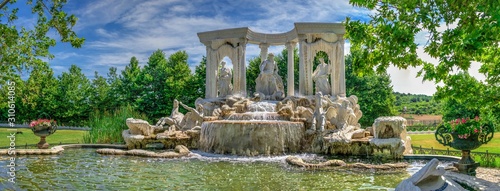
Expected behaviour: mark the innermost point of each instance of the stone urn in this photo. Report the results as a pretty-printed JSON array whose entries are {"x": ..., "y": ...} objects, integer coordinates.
[
  {"x": 43, "y": 131},
  {"x": 448, "y": 137}
]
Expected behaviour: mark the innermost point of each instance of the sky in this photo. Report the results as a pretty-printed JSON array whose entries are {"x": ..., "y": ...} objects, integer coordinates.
[{"x": 116, "y": 30}]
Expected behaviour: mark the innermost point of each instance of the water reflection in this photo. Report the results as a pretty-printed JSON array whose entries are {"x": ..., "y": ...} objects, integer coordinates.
[{"x": 84, "y": 169}]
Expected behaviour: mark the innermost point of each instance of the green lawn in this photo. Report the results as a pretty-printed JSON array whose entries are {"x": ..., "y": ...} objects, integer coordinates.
[
  {"x": 27, "y": 137},
  {"x": 428, "y": 141}
]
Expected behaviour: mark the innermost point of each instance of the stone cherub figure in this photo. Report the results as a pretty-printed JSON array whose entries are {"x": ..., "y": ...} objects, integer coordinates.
[
  {"x": 320, "y": 77},
  {"x": 224, "y": 81}
]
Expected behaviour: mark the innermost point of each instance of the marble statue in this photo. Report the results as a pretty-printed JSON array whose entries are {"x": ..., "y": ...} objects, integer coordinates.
[
  {"x": 319, "y": 114},
  {"x": 193, "y": 118},
  {"x": 430, "y": 177},
  {"x": 320, "y": 77},
  {"x": 224, "y": 81},
  {"x": 175, "y": 118},
  {"x": 269, "y": 83}
]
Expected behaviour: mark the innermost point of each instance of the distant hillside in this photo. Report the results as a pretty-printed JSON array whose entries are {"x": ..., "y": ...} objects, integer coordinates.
[{"x": 416, "y": 104}]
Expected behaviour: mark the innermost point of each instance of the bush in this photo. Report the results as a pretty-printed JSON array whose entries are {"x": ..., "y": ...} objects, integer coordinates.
[{"x": 107, "y": 127}]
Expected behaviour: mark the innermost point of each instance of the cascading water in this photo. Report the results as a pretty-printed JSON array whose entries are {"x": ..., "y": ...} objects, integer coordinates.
[{"x": 260, "y": 131}]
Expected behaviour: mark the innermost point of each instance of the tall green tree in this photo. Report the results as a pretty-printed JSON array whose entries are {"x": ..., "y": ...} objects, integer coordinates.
[
  {"x": 471, "y": 33},
  {"x": 374, "y": 92},
  {"x": 178, "y": 78},
  {"x": 14, "y": 92},
  {"x": 198, "y": 81},
  {"x": 129, "y": 87},
  {"x": 73, "y": 96},
  {"x": 23, "y": 48},
  {"x": 152, "y": 100},
  {"x": 40, "y": 93},
  {"x": 115, "y": 97},
  {"x": 253, "y": 71},
  {"x": 100, "y": 99}
]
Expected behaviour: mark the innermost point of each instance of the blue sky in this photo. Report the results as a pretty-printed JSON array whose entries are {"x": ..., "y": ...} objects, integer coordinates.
[{"x": 116, "y": 30}]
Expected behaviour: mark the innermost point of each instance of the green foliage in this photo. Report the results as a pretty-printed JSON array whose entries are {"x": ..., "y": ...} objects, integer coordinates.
[
  {"x": 161, "y": 81},
  {"x": 253, "y": 71},
  {"x": 374, "y": 92},
  {"x": 177, "y": 82},
  {"x": 282, "y": 62},
  {"x": 127, "y": 85},
  {"x": 197, "y": 84},
  {"x": 152, "y": 78},
  {"x": 107, "y": 127},
  {"x": 22, "y": 48},
  {"x": 99, "y": 99},
  {"x": 472, "y": 34},
  {"x": 73, "y": 97},
  {"x": 416, "y": 104},
  {"x": 39, "y": 94}
]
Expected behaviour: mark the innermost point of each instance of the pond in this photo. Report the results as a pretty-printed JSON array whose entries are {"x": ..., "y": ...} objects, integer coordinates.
[{"x": 84, "y": 169}]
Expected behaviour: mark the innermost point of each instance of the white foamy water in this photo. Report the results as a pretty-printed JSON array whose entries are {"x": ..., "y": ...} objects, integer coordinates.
[{"x": 263, "y": 106}]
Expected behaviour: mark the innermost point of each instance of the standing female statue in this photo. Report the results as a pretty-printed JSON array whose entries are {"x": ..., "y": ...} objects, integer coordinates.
[
  {"x": 320, "y": 77},
  {"x": 224, "y": 81}
]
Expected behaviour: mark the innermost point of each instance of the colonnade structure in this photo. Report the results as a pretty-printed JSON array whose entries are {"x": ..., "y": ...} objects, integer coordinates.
[{"x": 311, "y": 37}]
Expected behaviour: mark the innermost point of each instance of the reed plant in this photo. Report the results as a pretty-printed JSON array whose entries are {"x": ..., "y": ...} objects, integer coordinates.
[{"x": 107, "y": 126}]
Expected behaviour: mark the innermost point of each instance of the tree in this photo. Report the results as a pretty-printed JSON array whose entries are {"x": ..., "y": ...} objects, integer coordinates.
[
  {"x": 100, "y": 99},
  {"x": 472, "y": 34},
  {"x": 114, "y": 96},
  {"x": 253, "y": 71},
  {"x": 374, "y": 92},
  {"x": 129, "y": 87},
  {"x": 198, "y": 81},
  {"x": 22, "y": 48},
  {"x": 73, "y": 97},
  {"x": 178, "y": 78},
  {"x": 162, "y": 81},
  {"x": 40, "y": 92},
  {"x": 152, "y": 100}
]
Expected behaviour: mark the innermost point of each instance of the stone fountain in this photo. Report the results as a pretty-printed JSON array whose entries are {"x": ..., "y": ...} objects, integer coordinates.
[{"x": 273, "y": 121}]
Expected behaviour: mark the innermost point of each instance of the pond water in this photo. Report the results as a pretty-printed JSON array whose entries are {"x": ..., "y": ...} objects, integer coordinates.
[{"x": 84, "y": 169}]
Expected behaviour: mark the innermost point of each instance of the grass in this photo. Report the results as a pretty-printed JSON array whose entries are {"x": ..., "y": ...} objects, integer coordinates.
[
  {"x": 428, "y": 141},
  {"x": 27, "y": 137},
  {"x": 107, "y": 127}
]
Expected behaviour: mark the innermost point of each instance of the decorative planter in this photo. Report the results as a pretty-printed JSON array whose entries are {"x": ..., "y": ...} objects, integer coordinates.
[
  {"x": 466, "y": 165},
  {"x": 42, "y": 132}
]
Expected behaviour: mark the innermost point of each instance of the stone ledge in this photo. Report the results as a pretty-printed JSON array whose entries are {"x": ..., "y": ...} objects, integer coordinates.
[{"x": 58, "y": 149}]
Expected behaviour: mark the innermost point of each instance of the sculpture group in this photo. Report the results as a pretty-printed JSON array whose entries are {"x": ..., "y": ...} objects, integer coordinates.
[{"x": 318, "y": 118}]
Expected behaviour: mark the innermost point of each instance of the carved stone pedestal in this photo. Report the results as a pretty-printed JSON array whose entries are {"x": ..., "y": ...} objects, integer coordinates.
[{"x": 466, "y": 165}]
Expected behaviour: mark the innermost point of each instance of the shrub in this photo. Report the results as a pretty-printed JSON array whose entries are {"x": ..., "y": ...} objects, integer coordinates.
[{"x": 107, "y": 127}]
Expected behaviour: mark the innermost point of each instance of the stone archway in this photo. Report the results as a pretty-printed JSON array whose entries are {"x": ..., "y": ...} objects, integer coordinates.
[{"x": 312, "y": 37}]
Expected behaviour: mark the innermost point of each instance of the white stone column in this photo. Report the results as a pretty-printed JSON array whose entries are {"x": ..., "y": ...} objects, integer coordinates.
[
  {"x": 309, "y": 58},
  {"x": 302, "y": 55},
  {"x": 242, "y": 67},
  {"x": 290, "y": 46},
  {"x": 211, "y": 74},
  {"x": 342, "y": 87},
  {"x": 263, "y": 51}
]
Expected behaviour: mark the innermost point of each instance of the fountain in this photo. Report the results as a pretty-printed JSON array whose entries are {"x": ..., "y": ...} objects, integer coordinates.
[
  {"x": 226, "y": 121},
  {"x": 229, "y": 126}
]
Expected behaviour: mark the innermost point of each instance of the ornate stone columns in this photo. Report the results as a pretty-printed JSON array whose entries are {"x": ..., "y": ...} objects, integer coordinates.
[
  {"x": 290, "y": 46},
  {"x": 263, "y": 51},
  {"x": 211, "y": 73},
  {"x": 240, "y": 82},
  {"x": 341, "y": 58}
]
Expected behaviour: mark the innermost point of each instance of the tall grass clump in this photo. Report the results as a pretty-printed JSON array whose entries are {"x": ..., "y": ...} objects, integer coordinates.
[{"x": 107, "y": 127}]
